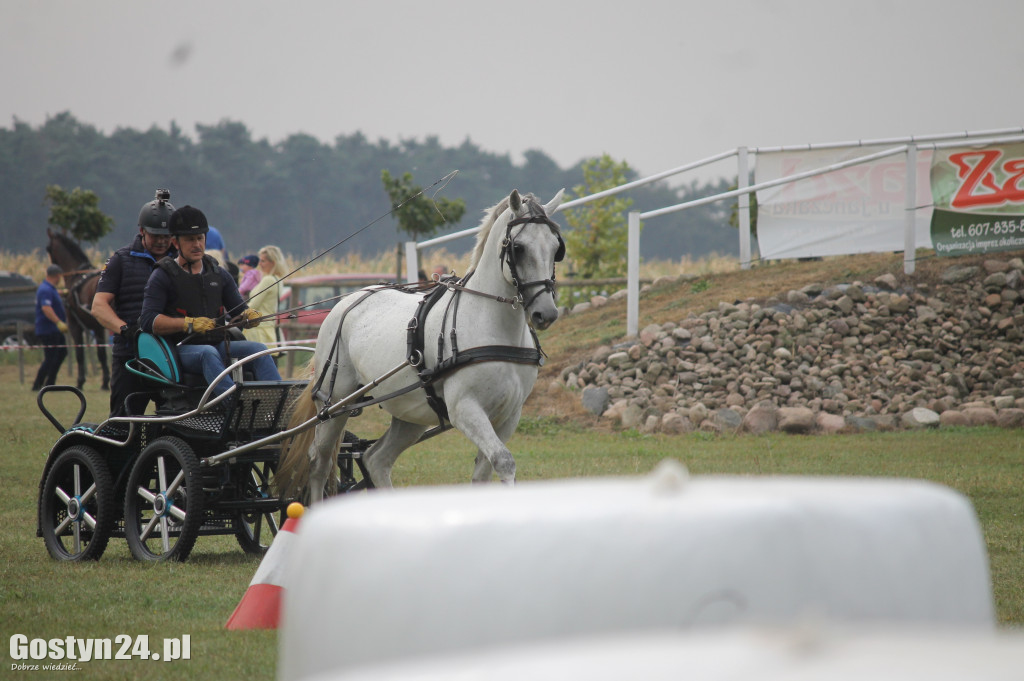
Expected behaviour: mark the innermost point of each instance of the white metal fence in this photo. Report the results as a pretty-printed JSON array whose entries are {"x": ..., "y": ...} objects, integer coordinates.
[{"x": 907, "y": 146}]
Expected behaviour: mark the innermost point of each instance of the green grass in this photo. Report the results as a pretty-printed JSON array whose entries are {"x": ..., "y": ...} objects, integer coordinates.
[{"x": 117, "y": 595}]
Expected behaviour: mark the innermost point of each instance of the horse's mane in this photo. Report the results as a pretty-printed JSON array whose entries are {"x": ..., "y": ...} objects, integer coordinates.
[
  {"x": 73, "y": 249},
  {"x": 490, "y": 216}
]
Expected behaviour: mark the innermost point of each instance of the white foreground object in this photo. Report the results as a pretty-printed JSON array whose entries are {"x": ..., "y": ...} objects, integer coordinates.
[
  {"x": 423, "y": 572},
  {"x": 729, "y": 655}
]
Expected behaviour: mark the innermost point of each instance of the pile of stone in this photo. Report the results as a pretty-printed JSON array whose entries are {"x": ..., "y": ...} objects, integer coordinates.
[{"x": 846, "y": 358}]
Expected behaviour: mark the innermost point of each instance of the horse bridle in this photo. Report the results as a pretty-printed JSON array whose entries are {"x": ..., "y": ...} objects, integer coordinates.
[{"x": 507, "y": 254}]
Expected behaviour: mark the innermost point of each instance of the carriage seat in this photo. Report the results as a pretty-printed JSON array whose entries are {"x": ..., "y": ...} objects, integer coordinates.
[{"x": 174, "y": 391}]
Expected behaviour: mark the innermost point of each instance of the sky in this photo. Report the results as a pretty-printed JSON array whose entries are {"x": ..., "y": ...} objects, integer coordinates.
[{"x": 657, "y": 83}]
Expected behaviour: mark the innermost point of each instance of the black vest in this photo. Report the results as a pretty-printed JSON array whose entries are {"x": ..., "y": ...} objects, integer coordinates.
[
  {"x": 136, "y": 266},
  {"x": 195, "y": 295}
]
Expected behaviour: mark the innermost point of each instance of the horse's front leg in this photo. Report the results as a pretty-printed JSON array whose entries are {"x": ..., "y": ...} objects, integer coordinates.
[{"x": 471, "y": 419}]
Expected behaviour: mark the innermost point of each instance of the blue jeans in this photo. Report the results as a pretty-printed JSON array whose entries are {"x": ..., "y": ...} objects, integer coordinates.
[{"x": 210, "y": 360}]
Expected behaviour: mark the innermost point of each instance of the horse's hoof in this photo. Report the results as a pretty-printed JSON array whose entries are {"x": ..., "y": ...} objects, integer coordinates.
[{"x": 105, "y": 386}]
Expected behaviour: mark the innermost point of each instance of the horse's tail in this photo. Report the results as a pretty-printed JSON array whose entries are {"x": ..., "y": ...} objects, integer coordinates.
[{"x": 292, "y": 473}]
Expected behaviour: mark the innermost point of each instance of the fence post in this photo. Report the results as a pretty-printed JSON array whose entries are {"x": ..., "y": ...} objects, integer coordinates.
[
  {"x": 20, "y": 326},
  {"x": 743, "y": 206},
  {"x": 633, "y": 274},
  {"x": 910, "y": 222},
  {"x": 411, "y": 262}
]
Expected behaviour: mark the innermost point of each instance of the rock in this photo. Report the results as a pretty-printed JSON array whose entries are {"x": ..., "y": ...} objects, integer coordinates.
[
  {"x": 981, "y": 416},
  {"x": 631, "y": 416},
  {"x": 850, "y": 357},
  {"x": 674, "y": 423},
  {"x": 580, "y": 307},
  {"x": 763, "y": 418},
  {"x": 1010, "y": 418},
  {"x": 595, "y": 399},
  {"x": 651, "y": 424},
  {"x": 992, "y": 266},
  {"x": 698, "y": 413},
  {"x": 728, "y": 419},
  {"x": 920, "y": 417},
  {"x": 886, "y": 282},
  {"x": 797, "y": 298},
  {"x": 860, "y": 424},
  {"x": 650, "y": 334},
  {"x": 830, "y": 423},
  {"x": 796, "y": 420},
  {"x": 958, "y": 274},
  {"x": 952, "y": 417},
  {"x": 618, "y": 359}
]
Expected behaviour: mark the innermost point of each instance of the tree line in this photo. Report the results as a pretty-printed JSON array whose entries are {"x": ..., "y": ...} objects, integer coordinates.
[{"x": 300, "y": 193}]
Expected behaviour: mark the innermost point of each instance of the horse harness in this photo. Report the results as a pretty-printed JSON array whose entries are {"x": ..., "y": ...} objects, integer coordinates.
[{"x": 415, "y": 330}]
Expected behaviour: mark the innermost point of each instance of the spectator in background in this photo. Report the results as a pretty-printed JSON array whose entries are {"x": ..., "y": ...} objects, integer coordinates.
[
  {"x": 51, "y": 325},
  {"x": 216, "y": 249},
  {"x": 264, "y": 298},
  {"x": 250, "y": 274}
]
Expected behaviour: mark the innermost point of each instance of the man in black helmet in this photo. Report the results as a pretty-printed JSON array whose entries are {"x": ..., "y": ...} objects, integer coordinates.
[
  {"x": 186, "y": 298},
  {"x": 118, "y": 300}
]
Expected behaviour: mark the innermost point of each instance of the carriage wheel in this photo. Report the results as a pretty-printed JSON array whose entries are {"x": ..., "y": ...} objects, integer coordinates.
[
  {"x": 76, "y": 508},
  {"x": 163, "y": 504},
  {"x": 254, "y": 529}
]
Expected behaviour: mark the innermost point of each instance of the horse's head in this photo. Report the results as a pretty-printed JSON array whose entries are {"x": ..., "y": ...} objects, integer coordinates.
[
  {"x": 65, "y": 252},
  {"x": 531, "y": 245}
]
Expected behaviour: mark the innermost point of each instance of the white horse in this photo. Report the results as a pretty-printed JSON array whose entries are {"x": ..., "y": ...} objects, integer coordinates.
[{"x": 470, "y": 357}]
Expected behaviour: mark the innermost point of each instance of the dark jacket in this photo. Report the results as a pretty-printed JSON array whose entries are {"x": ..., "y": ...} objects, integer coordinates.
[
  {"x": 174, "y": 292},
  {"x": 125, "y": 276}
]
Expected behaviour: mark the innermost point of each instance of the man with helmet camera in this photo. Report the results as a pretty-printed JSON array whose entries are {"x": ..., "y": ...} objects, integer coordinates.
[
  {"x": 186, "y": 298},
  {"x": 118, "y": 301}
]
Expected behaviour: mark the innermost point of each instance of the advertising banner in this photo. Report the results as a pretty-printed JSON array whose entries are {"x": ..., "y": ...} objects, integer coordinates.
[
  {"x": 979, "y": 199},
  {"x": 859, "y": 209}
]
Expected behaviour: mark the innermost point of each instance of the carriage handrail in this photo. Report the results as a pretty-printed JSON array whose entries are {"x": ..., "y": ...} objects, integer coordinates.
[
  {"x": 345, "y": 404},
  {"x": 204, "y": 402}
]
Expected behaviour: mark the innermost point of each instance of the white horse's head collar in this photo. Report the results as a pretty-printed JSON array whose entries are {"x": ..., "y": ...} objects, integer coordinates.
[{"x": 530, "y": 285}]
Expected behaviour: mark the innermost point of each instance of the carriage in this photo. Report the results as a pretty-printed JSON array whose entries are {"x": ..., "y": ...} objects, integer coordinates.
[
  {"x": 197, "y": 466},
  {"x": 205, "y": 465}
]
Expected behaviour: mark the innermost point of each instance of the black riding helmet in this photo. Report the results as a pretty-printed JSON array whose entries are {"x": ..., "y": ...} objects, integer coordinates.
[
  {"x": 155, "y": 215},
  {"x": 188, "y": 220}
]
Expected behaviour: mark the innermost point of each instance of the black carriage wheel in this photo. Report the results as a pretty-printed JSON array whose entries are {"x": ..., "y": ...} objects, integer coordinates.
[
  {"x": 76, "y": 508},
  {"x": 163, "y": 503},
  {"x": 256, "y": 529}
]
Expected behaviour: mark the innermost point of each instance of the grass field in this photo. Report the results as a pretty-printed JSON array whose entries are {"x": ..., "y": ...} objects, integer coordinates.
[{"x": 117, "y": 595}]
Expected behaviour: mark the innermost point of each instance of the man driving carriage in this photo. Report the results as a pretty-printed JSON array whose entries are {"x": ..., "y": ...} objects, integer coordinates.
[
  {"x": 118, "y": 301},
  {"x": 187, "y": 297}
]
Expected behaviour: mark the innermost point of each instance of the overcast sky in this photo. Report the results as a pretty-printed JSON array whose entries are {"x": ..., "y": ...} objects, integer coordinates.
[{"x": 658, "y": 83}]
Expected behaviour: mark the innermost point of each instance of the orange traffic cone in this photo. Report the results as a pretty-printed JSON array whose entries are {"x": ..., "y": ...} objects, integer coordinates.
[{"x": 260, "y": 607}]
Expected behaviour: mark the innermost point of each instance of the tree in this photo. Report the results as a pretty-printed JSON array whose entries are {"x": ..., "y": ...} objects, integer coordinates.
[
  {"x": 596, "y": 241},
  {"x": 419, "y": 215},
  {"x": 77, "y": 214}
]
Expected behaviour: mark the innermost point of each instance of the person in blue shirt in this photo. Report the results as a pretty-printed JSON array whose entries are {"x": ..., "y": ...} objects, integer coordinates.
[
  {"x": 51, "y": 325},
  {"x": 118, "y": 301},
  {"x": 214, "y": 240},
  {"x": 186, "y": 298}
]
